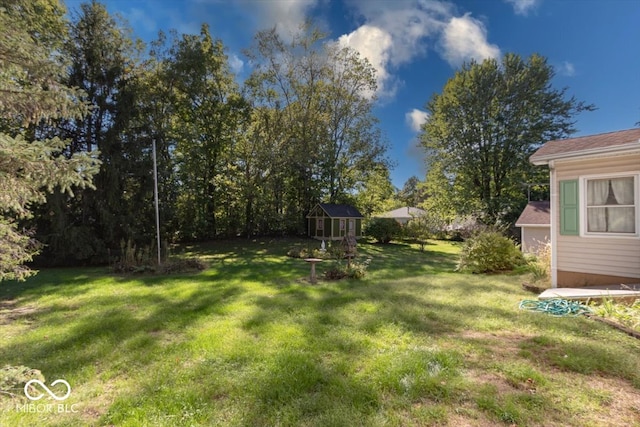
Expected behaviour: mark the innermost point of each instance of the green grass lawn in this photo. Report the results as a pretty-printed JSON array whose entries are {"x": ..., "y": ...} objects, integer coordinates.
[{"x": 249, "y": 342}]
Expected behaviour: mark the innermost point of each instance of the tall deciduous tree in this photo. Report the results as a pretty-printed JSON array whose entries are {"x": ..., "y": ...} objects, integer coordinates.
[
  {"x": 155, "y": 113},
  {"x": 33, "y": 93},
  {"x": 376, "y": 193},
  {"x": 287, "y": 79},
  {"x": 353, "y": 145},
  {"x": 488, "y": 120},
  {"x": 324, "y": 135},
  {"x": 412, "y": 192},
  {"x": 208, "y": 108}
]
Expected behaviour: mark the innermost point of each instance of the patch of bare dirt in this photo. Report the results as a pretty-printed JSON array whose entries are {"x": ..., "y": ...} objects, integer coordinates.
[
  {"x": 621, "y": 408},
  {"x": 10, "y": 312},
  {"x": 615, "y": 402}
]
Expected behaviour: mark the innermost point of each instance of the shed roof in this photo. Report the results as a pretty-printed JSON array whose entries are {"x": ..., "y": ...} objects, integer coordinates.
[
  {"x": 535, "y": 213},
  {"x": 610, "y": 142},
  {"x": 340, "y": 211},
  {"x": 405, "y": 212}
]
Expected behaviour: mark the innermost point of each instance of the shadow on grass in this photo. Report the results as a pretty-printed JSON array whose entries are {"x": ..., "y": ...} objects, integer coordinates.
[
  {"x": 584, "y": 357},
  {"x": 127, "y": 329},
  {"x": 389, "y": 259},
  {"x": 260, "y": 347}
]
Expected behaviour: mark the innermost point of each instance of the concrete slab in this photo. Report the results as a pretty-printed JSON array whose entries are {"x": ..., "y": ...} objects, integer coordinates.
[{"x": 590, "y": 292}]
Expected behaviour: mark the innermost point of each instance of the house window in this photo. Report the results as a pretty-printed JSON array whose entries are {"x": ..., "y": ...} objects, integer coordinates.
[
  {"x": 612, "y": 205},
  {"x": 319, "y": 224}
]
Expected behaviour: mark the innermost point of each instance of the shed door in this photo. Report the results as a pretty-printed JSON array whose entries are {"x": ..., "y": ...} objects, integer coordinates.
[{"x": 352, "y": 227}]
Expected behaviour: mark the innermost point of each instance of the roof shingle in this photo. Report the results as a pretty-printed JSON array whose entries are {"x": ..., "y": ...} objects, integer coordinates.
[
  {"x": 340, "y": 211},
  {"x": 562, "y": 147},
  {"x": 535, "y": 213}
]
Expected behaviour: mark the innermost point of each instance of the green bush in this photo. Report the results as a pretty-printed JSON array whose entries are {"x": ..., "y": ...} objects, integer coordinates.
[
  {"x": 540, "y": 265},
  {"x": 298, "y": 253},
  {"x": 302, "y": 252},
  {"x": 181, "y": 265},
  {"x": 336, "y": 272},
  {"x": 133, "y": 259},
  {"x": 383, "y": 229},
  {"x": 424, "y": 227},
  {"x": 355, "y": 270},
  {"x": 142, "y": 260},
  {"x": 14, "y": 378},
  {"x": 489, "y": 251},
  {"x": 627, "y": 315}
]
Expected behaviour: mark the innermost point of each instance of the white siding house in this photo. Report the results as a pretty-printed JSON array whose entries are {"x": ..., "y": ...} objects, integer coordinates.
[{"x": 595, "y": 208}]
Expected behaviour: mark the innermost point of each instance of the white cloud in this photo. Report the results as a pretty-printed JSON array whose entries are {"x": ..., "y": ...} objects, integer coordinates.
[
  {"x": 416, "y": 118},
  {"x": 397, "y": 32},
  {"x": 465, "y": 38},
  {"x": 285, "y": 15},
  {"x": 409, "y": 27},
  {"x": 374, "y": 44},
  {"x": 235, "y": 63},
  {"x": 394, "y": 34},
  {"x": 523, "y": 7},
  {"x": 567, "y": 69}
]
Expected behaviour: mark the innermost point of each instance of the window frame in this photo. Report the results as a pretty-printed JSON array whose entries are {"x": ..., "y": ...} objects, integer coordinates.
[{"x": 583, "y": 191}]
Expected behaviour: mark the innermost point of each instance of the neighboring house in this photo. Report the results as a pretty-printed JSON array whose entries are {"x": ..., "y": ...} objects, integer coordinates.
[
  {"x": 535, "y": 226},
  {"x": 595, "y": 208},
  {"x": 402, "y": 215},
  {"x": 462, "y": 223},
  {"x": 333, "y": 222}
]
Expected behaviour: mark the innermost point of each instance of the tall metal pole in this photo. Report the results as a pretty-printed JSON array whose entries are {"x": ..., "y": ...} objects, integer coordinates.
[{"x": 155, "y": 197}]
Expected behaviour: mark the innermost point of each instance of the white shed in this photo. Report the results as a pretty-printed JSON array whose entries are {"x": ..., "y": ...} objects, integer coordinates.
[{"x": 535, "y": 226}]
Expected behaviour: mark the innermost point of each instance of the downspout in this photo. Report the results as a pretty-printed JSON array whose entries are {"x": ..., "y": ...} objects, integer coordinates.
[{"x": 554, "y": 223}]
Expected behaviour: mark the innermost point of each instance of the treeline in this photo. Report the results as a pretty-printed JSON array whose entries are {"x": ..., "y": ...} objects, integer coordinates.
[
  {"x": 83, "y": 103},
  {"x": 234, "y": 157}
]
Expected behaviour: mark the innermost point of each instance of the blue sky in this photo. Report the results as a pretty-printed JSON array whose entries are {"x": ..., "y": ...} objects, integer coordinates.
[{"x": 416, "y": 46}]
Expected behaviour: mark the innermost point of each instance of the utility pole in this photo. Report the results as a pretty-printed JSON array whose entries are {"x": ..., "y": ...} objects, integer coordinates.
[{"x": 155, "y": 197}]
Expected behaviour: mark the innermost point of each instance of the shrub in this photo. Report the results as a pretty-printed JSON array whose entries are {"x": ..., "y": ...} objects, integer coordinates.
[
  {"x": 182, "y": 265},
  {"x": 489, "y": 251},
  {"x": 14, "y": 378},
  {"x": 297, "y": 252},
  {"x": 335, "y": 273},
  {"x": 541, "y": 265},
  {"x": 424, "y": 227},
  {"x": 135, "y": 260},
  {"x": 383, "y": 229},
  {"x": 355, "y": 270}
]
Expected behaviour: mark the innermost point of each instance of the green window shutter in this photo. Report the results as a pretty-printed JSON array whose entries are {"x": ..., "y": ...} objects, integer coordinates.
[{"x": 569, "y": 209}]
